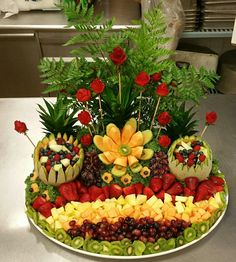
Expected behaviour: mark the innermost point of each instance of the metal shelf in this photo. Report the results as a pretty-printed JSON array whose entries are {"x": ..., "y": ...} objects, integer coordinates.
[{"x": 209, "y": 33}]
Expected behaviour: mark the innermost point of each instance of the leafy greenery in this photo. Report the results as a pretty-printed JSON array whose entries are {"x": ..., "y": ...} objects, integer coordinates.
[{"x": 59, "y": 117}]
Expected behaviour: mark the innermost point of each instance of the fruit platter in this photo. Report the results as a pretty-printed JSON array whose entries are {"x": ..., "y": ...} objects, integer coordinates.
[{"x": 122, "y": 170}]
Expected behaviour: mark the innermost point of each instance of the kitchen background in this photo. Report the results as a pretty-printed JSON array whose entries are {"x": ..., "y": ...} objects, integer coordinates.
[{"x": 27, "y": 37}]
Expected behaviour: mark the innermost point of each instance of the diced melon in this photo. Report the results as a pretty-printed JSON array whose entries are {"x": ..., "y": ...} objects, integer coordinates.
[
  {"x": 69, "y": 209},
  {"x": 152, "y": 200},
  {"x": 56, "y": 148},
  {"x": 57, "y": 225},
  {"x": 43, "y": 159},
  {"x": 121, "y": 200},
  {"x": 60, "y": 210},
  {"x": 50, "y": 220},
  {"x": 63, "y": 218},
  {"x": 65, "y": 162},
  {"x": 141, "y": 199},
  {"x": 54, "y": 213},
  {"x": 167, "y": 198},
  {"x": 131, "y": 199},
  {"x": 57, "y": 167},
  {"x": 97, "y": 204},
  {"x": 185, "y": 217},
  {"x": 180, "y": 207},
  {"x": 181, "y": 198}
]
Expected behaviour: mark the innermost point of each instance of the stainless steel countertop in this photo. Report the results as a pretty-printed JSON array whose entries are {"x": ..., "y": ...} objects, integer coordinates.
[{"x": 20, "y": 242}]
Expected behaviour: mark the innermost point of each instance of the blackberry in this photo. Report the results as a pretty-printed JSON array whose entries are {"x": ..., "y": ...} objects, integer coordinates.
[
  {"x": 91, "y": 172},
  {"x": 159, "y": 164}
]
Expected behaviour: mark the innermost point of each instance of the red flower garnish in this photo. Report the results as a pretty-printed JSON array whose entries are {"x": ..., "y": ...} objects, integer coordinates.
[
  {"x": 86, "y": 140},
  {"x": 156, "y": 77},
  {"x": 162, "y": 90},
  {"x": 118, "y": 56},
  {"x": 164, "y": 118},
  {"x": 20, "y": 127},
  {"x": 142, "y": 79},
  {"x": 84, "y": 117},
  {"x": 83, "y": 95},
  {"x": 97, "y": 86},
  {"x": 164, "y": 141},
  {"x": 211, "y": 118}
]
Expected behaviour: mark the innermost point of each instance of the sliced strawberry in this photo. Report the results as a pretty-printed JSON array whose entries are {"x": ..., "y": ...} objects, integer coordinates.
[
  {"x": 57, "y": 157},
  {"x": 176, "y": 189},
  {"x": 202, "y": 158},
  {"x": 138, "y": 188},
  {"x": 84, "y": 198},
  {"x": 219, "y": 188},
  {"x": 161, "y": 194},
  {"x": 217, "y": 180},
  {"x": 69, "y": 191},
  {"x": 191, "y": 156},
  {"x": 191, "y": 182},
  {"x": 189, "y": 192},
  {"x": 101, "y": 197},
  {"x": 69, "y": 156},
  {"x": 156, "y": 184},
  {"x": 115, "y": 190},
  {"x": 76, "y": 149},
  {"x": 83, "y": 189},
  {"x": 129, "y": 190},
  {"x": 38, "y": 202},
  {"x": 106, "y": 191},
  {"x": 60, "y": 201},
  {"x": 45, "y": 209},
  {"x": 94, "y": 192},
  {"x": 190, "y": 162},
  {"x": 201, "y": 194},
  {"x": 196, "y": 148},
  {"x": 179, "y": 157},
  {"x": 168, "y": 180},
  {"x": 209, "y": 185},
  {"x": 48, "y": 168},
  {"x": 148, "y": 192}
]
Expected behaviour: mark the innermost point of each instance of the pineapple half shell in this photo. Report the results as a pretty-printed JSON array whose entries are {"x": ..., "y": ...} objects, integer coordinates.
[
  {"x": 181, "y": 171},
  {"x": 56, "y": 178}
]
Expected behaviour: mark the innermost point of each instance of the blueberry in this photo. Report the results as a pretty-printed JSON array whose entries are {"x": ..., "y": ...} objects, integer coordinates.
[
  {"x": 62, "y": 156},
  {"x": 73, "y": 153},
  {"x": 72, "y": 162}
]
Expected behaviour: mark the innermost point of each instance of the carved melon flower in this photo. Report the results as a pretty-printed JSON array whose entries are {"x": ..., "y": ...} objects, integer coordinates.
[{"x": 124, "y": 147}]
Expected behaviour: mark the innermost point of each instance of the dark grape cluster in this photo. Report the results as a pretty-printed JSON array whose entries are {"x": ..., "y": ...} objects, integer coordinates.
[
  {"x": 90, "y": 174},
  {"x": 144, "y": 229},
  {"x": 159, "y": 164}
]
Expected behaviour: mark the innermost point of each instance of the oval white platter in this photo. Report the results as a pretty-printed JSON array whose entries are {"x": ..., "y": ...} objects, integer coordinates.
[{"x": 136, "y": 257}]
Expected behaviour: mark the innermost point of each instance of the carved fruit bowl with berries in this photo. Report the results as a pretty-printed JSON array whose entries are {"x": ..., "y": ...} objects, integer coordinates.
[{"x": 122, "y": 171}]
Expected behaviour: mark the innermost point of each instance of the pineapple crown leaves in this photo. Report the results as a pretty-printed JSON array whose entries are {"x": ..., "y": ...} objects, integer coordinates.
[{"x": 58, "y": 117}]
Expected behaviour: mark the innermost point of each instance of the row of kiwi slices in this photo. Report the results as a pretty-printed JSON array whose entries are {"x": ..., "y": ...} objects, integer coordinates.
[{"x": 125, "y": 247}]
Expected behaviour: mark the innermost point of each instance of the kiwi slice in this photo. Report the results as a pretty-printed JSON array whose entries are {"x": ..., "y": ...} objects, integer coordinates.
[
  {"x": 163, "y": 243},
  {"x": 77, "y": 242},
  {"x": 189, "y": 234},
  {"x": 68, "y": 240},
  {"x": 35, "y": 217},
  {"x": 105, "y": 247},
  {"x": 48, "y": 230},
  {"x": 149, "y": 249},
  {"x": 125, "y": 242},
  {"x": 85, "y": 245},
  {"x": 60, "y": 235},
  {"x": 170, "y": 244},
  {"x": 203, "y": 228},
  {"x": 156, "y": 247},
  {"x": 129, "y": 250},
  {"x": 179, "y": 241},
  {"x": 94, "y": 246},
  {"x": 218, "y": 213},
  {"x": 139, "y": 247},
  {"x": 42, "y": 224},
  {"x": 116, "y": 250},
  {"x": 211, "y": 221}
]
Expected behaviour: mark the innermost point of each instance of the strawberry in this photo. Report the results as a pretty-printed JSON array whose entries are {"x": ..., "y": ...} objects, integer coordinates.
[
  {"x": 129, "y": 190},
  {"x": 148, "y": 192},
  {"x": 179, "y": 157},
  {"x": 173, "y": 198},
  {"x": 138, "y": 188},
  {"x": 209, "y": 185},
  {"x": 219, "y": 188},
  {"x": 60, "y": 201},
  {"x": 191, "y": 182},
  {"x": 168, "y": 180},
  {"x": 76, "y": 149},
  {"x": 190, "y": 162},
  {"x": 78, "y": 185},
  {"x": 176, "y": 189},
  {"x": 57, "y": 157},
  {"x": 202, "y": 158},
  {"x": 69, "y": 156},
  {"x": 201, "y": 194},
  {"x": 106, "y": 191},
  {"x": 48, "y": 168},
  {"x": 84, "y": 198},
  {"x": 45, "y": 209},
  {"x": 115, "y": 190},
  {"x": 156, "y": 184},
  {"x": 94, "y": 192},
  {"x": 69, "y": 191},
  {"x": 49, "y": 152},
  {"x": 60, "y": 141},
  {"x": 196, "y": 148},
  {"x": 217, "y": 180},
  {"x": 161, "y": 194},
  {"x": 189, "y": 192},
  {"x": 48, "y": 163},
  {"x": 38, "y": 202},
  {"x": 101, "y": 197},
  {"x": 83, "y": 189}
]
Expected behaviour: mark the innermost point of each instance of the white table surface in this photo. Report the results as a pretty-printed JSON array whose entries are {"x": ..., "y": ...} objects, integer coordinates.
[
  {"x": 233, "y": 41},
  {"x": 19, "y": 241}
]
